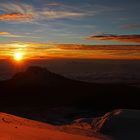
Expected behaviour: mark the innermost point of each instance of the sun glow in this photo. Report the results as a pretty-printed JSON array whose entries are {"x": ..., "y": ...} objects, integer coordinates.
[{"x": 18, "y": 56}]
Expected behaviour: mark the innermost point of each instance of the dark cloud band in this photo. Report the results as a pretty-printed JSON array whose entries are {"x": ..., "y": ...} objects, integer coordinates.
[{"x": 120, "y": 38}]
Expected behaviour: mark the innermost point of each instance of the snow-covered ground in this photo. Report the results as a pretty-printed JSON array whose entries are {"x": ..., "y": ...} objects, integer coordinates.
[
  {"x": 116, "y": 125},
  {"x": 16, "y": 128}
]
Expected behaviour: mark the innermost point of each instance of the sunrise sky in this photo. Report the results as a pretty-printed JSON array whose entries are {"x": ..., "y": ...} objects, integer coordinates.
[{"x": 40, "y": 29}]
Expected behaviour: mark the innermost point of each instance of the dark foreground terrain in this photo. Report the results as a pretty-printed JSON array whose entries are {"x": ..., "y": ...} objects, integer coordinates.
[
  {"x": 73, "y": 107},
  {"x": 38, "y": 87}
]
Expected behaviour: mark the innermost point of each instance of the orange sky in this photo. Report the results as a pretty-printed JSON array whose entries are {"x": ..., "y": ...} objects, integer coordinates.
[{"x": 50, "y": 50}]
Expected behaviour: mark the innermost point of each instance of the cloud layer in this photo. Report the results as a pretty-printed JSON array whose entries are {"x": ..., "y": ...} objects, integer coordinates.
[
  {"x": 67, "y": 22},
  {"x": 25, "y": 12},
  {"x": 20, "y": 11},
  {"x": 121, "y": 38},
  {"x": 15, "y": 17},
  {"x": 5, "y": 33},
  {"x": 130, "y": 26},
  {"x": 45, "y": 51},
  {"x": 8, "y": 34}
]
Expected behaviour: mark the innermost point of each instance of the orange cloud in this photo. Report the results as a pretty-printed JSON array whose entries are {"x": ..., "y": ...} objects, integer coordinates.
[
  {"x": 121, "y": 38},
  {"x": 83, "y": 47},
  {"x": 15, "y": 17},
  {"x": 32, "y": 50},
  {"x": 5, "y": 33},
  {"x": 8, "y": 34}
]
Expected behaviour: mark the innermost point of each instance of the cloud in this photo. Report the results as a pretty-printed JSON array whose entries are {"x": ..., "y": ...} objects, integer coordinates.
[
  {"x": 16, "y": 8},
  {"x": 15, "y": 17},
  {"x": 11, "y": 35},
  {"x": 83, "y": 47},
  {"x": 22, "y": 12},
  {"x": 34, "y": 50},
  {"x": 25, "y": 13},
  {"x": 134, "y": 38},
  {"x": 54, "y": 4},
  {"x": 60, "y": 14},
  {"x": 130, "y": 26},
  {"x": 5, "y": 33},
  {"x": 76, "y": 47},
  {"x": 70, "y": 47},
  {"x": 16, "y": 12}
]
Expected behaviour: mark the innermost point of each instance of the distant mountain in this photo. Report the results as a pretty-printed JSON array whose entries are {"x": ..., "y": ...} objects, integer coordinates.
[
  {"x": 39, "y": 76},
  {"x": 38, "y": 87}
]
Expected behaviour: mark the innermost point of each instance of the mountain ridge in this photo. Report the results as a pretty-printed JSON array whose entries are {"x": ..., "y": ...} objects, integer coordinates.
[{"x": 39, "y": 87}]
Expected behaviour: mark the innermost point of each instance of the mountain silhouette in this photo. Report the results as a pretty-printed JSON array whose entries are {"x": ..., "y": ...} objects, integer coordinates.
[
  {"x": 39, "y": 76},
  {"x": 38, "y": 87}
]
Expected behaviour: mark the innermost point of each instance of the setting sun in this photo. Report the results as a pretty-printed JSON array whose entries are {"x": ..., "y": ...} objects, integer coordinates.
[{"x": 18, "y": 56}]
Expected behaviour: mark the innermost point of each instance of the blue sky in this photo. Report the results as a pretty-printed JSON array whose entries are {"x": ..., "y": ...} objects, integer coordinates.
[{"x": 70, "y": 21}]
